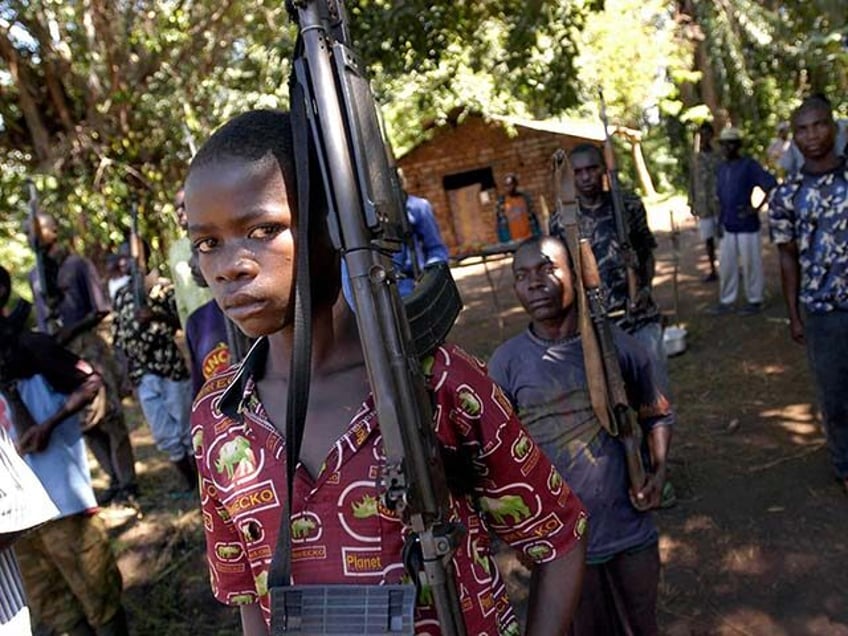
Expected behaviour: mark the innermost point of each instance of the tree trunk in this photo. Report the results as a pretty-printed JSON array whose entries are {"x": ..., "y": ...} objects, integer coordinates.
[{"x": 26, "y": 99}]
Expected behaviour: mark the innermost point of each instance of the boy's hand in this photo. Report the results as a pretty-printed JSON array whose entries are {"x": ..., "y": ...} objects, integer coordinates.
[{"x": 34, "y": 440}]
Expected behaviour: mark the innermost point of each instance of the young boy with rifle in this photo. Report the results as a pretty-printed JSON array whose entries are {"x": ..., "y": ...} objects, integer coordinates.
[{"x": 241, "y": 200}]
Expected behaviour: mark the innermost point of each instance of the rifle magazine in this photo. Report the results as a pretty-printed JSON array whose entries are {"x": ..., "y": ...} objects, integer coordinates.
[
  {"x": 369, "y": 610},
  {"x": 432, "y": 308}
]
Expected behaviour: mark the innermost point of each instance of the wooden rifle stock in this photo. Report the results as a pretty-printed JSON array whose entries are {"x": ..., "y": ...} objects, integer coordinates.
[
  {"x": 607, "y": 392},
  {"x": 624, "y": 415},
  {"x": 631, "y": 262}
]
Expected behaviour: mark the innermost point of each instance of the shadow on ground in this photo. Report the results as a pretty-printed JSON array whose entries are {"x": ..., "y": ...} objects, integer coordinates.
[{"x": 756, "y": 544}]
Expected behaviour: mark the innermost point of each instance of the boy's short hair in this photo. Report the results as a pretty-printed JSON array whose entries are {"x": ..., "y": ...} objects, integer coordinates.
[
  {"x": 257, "y": 136},
  {"x": 254, "y": 137}
]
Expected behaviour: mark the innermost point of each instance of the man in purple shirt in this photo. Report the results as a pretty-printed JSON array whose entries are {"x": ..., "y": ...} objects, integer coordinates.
[
  {"x": 81, "y": 305},
  {"x": 737, "y": 178}
]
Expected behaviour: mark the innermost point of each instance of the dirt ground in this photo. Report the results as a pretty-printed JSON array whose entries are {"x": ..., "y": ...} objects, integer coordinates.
[{"x": 757, "y": 542}]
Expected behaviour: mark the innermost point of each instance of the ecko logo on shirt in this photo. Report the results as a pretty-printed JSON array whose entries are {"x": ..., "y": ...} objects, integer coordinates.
[{"x": 260, "y": 497}]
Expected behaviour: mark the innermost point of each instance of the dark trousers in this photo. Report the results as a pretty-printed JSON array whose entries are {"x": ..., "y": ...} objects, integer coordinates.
[
  {"x": 619, "y": 597},
  {"x": 827, "y": 350}
]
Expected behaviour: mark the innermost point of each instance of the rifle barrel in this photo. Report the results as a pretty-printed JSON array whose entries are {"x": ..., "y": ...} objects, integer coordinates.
[
  {"x": 621, "y": 226},
  {"x": 356, "y": 177},
  {"x": 47, "y": 289}
]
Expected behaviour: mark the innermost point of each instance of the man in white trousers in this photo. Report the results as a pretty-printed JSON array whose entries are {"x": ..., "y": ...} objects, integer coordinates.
[{"x": 739, "y": 219}]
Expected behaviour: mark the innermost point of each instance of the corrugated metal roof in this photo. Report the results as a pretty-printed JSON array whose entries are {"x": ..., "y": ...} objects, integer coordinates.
[{"x": 572, "y": 127}]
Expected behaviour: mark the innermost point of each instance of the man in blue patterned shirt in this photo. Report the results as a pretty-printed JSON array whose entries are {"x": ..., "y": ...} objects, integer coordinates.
[{"x": 809, "y": 223}]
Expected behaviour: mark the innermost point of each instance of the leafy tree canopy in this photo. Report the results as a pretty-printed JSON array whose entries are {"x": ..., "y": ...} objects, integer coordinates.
[
  {"x": 105, "y": 98},
  {"x": 101, "y": 99}
]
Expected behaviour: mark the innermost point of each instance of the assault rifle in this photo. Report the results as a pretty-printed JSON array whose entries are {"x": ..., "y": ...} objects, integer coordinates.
[
  {"x": 46, "y": 285},
  {"x": 603, "y": 370},
  {"x": 337, "y": 131},
  {"x": 622, "y": 230},
  {"x": 138, "y": 266}
]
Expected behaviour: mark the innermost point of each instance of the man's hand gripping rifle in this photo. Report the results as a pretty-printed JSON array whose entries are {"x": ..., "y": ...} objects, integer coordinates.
[
  {"x": 336, "y": 126},
  {"x": 603, "y": 370}
]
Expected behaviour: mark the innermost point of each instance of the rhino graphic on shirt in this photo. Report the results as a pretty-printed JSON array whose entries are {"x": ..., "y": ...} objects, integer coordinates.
[
  {"x": 236, "y": 458},
  {"x": 469, "y": 402},
  {"x": 365, "y": 507},
  {"x": 302, "y": 527},
  {"x": 506, "y": 506}
]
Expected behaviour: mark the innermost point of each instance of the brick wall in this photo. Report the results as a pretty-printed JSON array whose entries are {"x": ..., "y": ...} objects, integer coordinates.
[{"x": 476, "y": 144}]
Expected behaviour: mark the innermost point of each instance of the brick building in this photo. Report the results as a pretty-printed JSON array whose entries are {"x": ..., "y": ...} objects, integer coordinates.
[{"x": 461, "y": 169}]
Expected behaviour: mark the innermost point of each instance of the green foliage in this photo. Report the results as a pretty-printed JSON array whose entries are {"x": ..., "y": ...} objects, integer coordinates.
[
  {"x": 109, "y": 97},
  {"x": 499, "y": 57},
  {"x": 105, "y": 96},
  {"x": 762, "y": 57},
  {"x": 614, "y": 58}
]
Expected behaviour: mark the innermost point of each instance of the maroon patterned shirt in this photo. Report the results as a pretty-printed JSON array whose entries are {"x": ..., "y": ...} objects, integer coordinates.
[{"x": 340, "y": 531}]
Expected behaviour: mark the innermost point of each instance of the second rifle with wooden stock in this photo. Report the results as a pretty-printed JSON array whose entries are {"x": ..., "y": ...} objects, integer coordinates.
[{"x": 603, "y": 370}]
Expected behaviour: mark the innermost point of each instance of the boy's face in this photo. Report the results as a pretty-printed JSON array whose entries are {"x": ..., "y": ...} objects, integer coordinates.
[
  {"x": 240, "y": 222},
  {"x": 542, "y": 280}
]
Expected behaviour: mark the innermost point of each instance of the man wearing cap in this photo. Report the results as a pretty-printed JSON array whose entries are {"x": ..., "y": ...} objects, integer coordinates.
[{"x": 737, "y": 178}]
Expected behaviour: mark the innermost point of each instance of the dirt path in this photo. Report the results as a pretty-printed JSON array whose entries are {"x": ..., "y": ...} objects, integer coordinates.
[{"x": 757, "y": 544}]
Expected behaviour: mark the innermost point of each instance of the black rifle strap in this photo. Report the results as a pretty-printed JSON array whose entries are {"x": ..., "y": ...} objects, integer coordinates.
[{"x": 279, "y": 573}]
